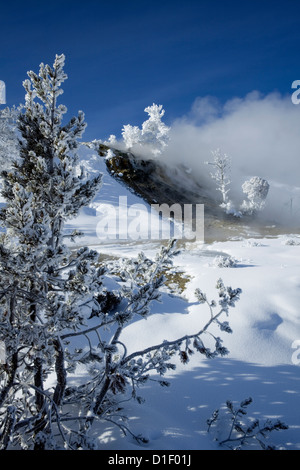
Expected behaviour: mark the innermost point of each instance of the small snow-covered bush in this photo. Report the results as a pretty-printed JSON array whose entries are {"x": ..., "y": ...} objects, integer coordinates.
[
  {"x": 224, "y": 262},
  {"x": 233, "y": 430},
  {"x": 291, "y": 241},
  {"x": 252, "y": 243},
  {"x": 257, "y": 190}
]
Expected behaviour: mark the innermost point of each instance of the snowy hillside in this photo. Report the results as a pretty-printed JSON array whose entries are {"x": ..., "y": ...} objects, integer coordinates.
[
  {"x": 263, "y": 362},
  {"x": 108, "y": 195}
]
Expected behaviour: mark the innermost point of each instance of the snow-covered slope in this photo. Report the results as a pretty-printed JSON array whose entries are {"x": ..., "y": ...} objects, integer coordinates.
[
  {"x": 264, "y": 359},
  {"x": 114, "y": 201},
  {"x": 108, "y": 196}
]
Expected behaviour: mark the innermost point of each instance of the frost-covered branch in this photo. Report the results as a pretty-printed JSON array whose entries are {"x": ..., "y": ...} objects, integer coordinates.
[
  {"x": 198, "y": 344},
  {"x": 234, "y": 431},
  {"x": 9, "y": 145}
]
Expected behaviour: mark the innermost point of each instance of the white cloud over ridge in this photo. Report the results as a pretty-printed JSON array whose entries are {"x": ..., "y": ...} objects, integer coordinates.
[{"x": 260, "y": 133}]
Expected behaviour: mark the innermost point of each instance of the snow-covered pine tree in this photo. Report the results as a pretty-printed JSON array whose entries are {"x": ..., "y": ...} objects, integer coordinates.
[
  {"x": 155, "y": 133},
  {"x": 43, "y": 283},
  {"x": 152, "y": 138},
  {"x": 131, "y": 135}
]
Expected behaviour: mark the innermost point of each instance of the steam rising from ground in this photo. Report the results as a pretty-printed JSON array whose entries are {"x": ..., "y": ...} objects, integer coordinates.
[{"x": 261, "y": 134}]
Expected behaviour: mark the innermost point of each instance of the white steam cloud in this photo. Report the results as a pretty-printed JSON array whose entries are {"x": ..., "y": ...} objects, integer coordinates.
[{"x": 261, "y": 134}]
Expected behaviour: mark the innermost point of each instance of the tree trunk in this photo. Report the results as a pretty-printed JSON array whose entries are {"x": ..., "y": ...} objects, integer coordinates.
[{"x": 60, "y": 373}]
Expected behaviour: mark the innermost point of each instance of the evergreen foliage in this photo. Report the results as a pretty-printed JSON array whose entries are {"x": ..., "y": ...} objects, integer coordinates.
[
  {"x": 235, "y": 431},
  {"x": 9, "y": 148},
  {"x": 152, "y": 138}
]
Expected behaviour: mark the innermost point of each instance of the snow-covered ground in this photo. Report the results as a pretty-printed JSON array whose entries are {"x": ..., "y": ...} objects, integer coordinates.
[{"x": 264, "y": 358}]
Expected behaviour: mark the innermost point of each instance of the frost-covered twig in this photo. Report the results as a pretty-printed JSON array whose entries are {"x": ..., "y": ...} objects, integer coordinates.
[{"x": 241, "y": 432}]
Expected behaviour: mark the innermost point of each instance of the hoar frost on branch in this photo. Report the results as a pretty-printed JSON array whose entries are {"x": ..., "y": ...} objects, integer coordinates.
[
  {"x": 51, "y": 297},
  {"x": 116, "y": 374},
  {"x": 222, "y": 166},
  {"x": 256, "y": 188},
  {"x": 9, "y": 146},
  {"x": 154, "y": 135},
  {"x": 235, "y": 431}
]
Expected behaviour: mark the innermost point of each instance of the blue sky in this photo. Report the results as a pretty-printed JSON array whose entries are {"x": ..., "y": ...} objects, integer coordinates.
[{"x": 123, "y": 56}]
